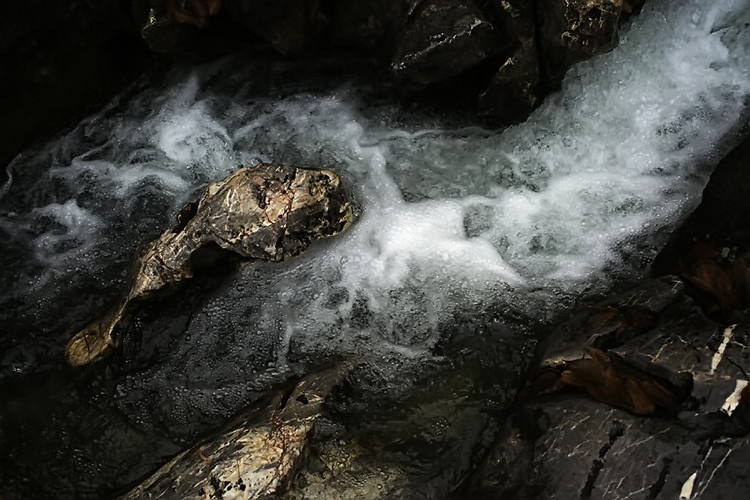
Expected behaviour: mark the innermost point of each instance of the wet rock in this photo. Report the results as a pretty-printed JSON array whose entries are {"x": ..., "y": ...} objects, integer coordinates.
[
  {"x": 289, "y": 25},
  {"x": 368, "y": 24},
  {"x": 255, "y": 456},
  {"x": 185, "y": 31},
  {"x": 574, "y": 30},
  {"x": 592, "y": 450},
  {"x": 443, "y": 39},
  {"x": 710, "y": 249},
  {"x": 269, "y": 212},
  {"x": 512, "y": 92},
  {"x": 722, "y": 219},
  {"x": 418, "y": 439}
]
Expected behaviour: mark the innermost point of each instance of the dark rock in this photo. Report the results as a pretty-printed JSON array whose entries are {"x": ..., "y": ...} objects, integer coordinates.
[
  {"x": 269, "y": 212},
  {"x": 289, "y": 25},
  {"x": 443, "y": 39},
  {"x": 368, "y": 24},
  {"x": 574, "y": 30},
  {"x": 711, "y": 248},
  {"x": 512, "y": 93},
  {"x": 186, "y": 31},
  {"x": 590, "y": 449},
  {"x": 60, "y": 61},
  {"x": 255, "y": 456},
  {"x": 722, "y": 219}
]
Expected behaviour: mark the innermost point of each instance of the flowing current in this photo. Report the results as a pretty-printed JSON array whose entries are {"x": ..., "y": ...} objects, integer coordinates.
[{"x": 452, "y": 221}]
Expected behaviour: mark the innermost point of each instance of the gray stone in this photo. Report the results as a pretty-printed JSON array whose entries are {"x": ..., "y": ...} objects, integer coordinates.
[
  {"x": 592, "y": 450},
  {"x": 269, "y": 212}
]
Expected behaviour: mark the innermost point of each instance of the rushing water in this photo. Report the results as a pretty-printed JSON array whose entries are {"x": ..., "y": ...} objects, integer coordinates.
[{"x": 453, "y": 222}]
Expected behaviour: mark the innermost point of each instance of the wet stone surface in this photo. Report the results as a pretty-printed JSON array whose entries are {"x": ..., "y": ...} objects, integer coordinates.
[{"x": 572, "y": 446}]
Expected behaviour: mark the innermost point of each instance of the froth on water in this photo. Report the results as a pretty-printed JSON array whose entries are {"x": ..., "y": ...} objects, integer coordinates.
[{"x": 450, "y": 219}]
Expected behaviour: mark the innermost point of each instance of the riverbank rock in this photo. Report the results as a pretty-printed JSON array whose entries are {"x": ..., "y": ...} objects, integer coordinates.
[
  {"x": 255, "y": 456},
  {"x": 187, "y": 31},
  {"x": 370, "y": 25},
  {"x": 290, "y": 26},
  {"x": 514, "y": 90},
  {"x": 443, "y": 39},
  {"x": 270, "y": 212},
  {"x": 722, "y": 220},
  {"x": 564, "y": 442},
  {"x": 497, "y": 58}
]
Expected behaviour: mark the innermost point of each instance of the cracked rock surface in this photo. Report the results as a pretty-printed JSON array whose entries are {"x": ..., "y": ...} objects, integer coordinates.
[{"x": 568, "y": 445}]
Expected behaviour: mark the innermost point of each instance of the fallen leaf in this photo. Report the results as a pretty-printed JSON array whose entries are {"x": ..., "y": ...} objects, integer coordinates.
[{"x": 611, "y": 380}]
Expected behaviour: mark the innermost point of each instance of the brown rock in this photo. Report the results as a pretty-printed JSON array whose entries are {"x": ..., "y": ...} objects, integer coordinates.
[
  {"x": 255, "y": 456},
  {"x": 269, "y": 212}
]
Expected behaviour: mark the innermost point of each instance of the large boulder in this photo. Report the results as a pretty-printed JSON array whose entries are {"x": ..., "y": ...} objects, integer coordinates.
[
  {"x": 442, "y": 39},
  {"x": 269, "y": 212},
  {"x": 723, "y": 217},
  {"x": 371, "y": 25},
  {"x": 60, "y": 61},
  {"x": 584, "y": 430}
]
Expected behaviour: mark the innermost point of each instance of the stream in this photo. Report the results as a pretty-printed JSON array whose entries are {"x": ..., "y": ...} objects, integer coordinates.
[{"x": 467, "y": 243}]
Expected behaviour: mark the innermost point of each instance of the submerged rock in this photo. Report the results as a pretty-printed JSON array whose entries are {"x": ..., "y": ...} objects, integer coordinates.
[
  {"x": 269, "y": 212},
  {"x": 255, "y": 456}
]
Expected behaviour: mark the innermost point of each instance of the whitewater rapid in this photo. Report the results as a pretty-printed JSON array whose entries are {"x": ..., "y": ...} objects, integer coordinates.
[{"x": 451, "y": 220}]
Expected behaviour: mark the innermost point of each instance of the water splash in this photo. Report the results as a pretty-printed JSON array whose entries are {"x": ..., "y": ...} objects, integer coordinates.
[{"x": 453, "y": 220}]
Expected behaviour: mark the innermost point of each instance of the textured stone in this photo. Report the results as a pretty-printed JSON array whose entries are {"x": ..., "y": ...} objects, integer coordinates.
[
  {"x": 255, "y": 456},
  {"x": 573, "y": 30},
  {"x": 591, "y": 450},
  {"x": 269, "y": 212},
  {"x": 512, "y": 92},
  {"x": 443, "y": 39}
]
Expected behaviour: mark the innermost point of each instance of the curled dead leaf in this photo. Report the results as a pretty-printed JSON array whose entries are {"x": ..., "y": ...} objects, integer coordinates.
[{"x": 612, "y": 380}]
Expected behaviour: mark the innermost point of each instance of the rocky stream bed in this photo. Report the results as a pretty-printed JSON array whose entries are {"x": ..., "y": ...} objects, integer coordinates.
[{"x": 376, "y": 249}]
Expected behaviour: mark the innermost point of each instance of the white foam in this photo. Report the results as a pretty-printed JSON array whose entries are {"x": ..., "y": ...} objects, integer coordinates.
[
  {"x": 75, "y": 226},
  {"x": 451, "y": 219}
]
